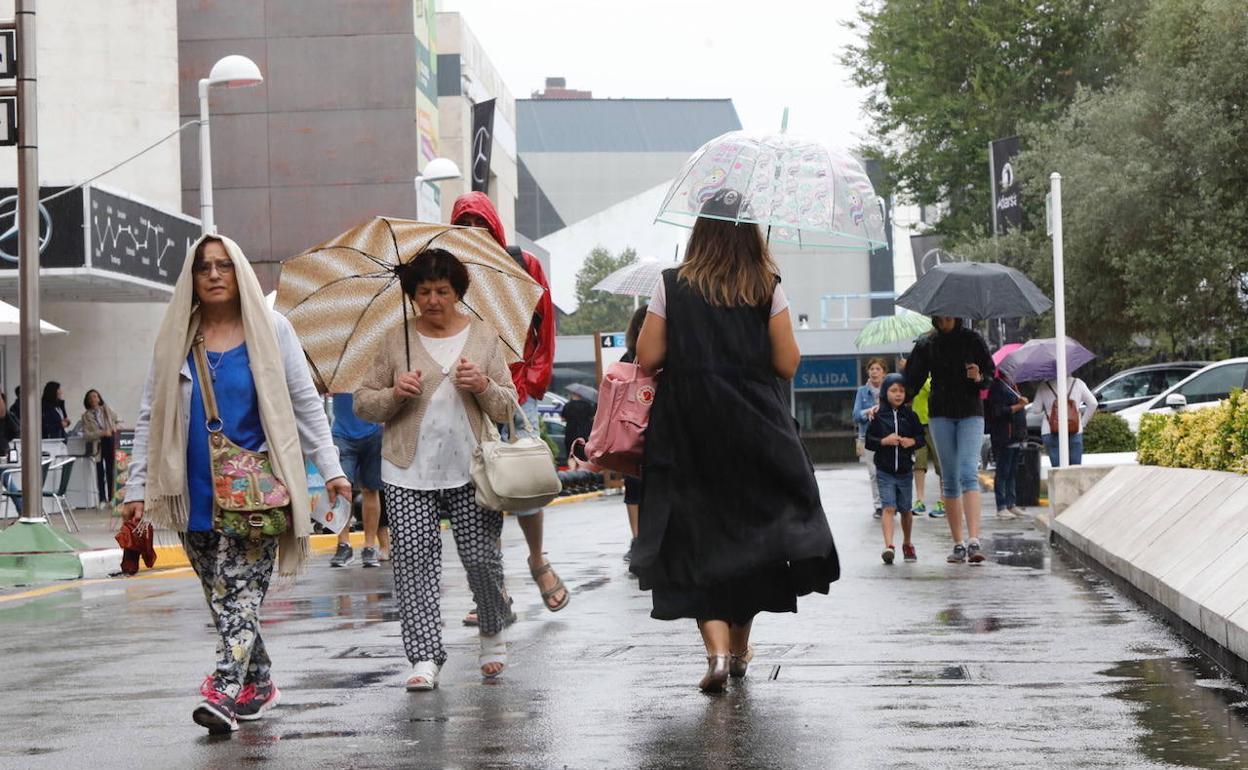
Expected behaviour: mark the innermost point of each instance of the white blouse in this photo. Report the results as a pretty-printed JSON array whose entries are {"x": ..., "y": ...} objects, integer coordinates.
[{"x": 444, "y": 452}]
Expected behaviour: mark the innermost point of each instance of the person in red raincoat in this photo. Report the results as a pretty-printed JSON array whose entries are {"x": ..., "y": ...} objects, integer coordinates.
[{"x": 531, "y": 376}]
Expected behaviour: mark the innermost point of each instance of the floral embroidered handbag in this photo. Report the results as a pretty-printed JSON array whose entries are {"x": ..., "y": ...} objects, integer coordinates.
[{"x": 248, "y": 499}]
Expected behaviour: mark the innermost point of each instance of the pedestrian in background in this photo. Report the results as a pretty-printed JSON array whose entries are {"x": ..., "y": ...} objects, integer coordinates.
[
  {"x": 1006, "y": 418},
  {"x": 731, "y": 522},
  {"x": 100, "y": 426},
  {"x": 531, "y": 377},
  {"x": 1081, "y": 406},
  {"x": 924, "y": 456},
  {"x": 866, "y": 401},
  {"x": 578, "y": 423},
  {"x": 433, "y": 406},
  {"x": 267, "y": 400},
  {"x": 959, "y": 364},
  {"x": 55, "y": 418},
  {"x": 359, "y": 451},
  {"x": 892, "y": 437},
  {"x": 633, "y": 484}
]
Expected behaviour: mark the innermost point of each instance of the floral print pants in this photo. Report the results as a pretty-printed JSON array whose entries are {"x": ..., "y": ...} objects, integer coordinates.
[{"x": 235, "y": 577}]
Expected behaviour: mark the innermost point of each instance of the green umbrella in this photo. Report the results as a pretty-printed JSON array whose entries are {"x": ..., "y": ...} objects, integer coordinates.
[{"x": 892, "y": 328}]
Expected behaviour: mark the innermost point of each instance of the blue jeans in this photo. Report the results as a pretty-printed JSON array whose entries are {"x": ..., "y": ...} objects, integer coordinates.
[
  {"x": 896, "y": 490},
  {"x": 958, "y": 442},
  {"x": 1004, "y": 484},
  {"x": 1074, "y": 441}
]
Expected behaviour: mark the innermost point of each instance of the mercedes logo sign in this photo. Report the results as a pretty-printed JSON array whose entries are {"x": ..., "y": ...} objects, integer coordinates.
[
  {"x": 480, "y": 157},
  {"x": 45, "y": 229},
  {"x": 1007, "y": 176}
]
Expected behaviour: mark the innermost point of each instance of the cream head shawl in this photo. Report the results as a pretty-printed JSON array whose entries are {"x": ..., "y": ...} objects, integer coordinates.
[{"x": 165, "y": 501}]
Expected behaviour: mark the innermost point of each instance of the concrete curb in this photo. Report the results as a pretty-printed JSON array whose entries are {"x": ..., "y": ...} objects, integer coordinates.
[{"x": 1178, "y": 537}]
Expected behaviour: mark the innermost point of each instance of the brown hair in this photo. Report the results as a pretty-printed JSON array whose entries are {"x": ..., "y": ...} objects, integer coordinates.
[
  {"x": 199, "y": 250},
  {"x": 432, "y": 265},
  {"x": 877, "y": 360},
  {"x": 729, "y": 264}
]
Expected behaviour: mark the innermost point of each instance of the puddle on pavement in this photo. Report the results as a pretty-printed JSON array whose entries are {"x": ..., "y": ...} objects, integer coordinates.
[
  {"x": 954, "y": 617},
  {"x": 373, "y": 606},
  {"x": 1190, "y": 713},
  {"x": 339, "y": 681},
  {"x": 1015, "y": 549}
]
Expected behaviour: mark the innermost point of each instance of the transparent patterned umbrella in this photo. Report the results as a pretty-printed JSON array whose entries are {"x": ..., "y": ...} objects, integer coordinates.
[
  {"x": 640, "y": 279},
  {"x": 892, "y": 328},
  {"x": 800, "y": 190}
]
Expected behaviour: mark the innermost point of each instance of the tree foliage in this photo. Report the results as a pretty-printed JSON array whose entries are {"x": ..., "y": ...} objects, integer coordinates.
[
  {"x": 1155, "y": 191},
  {"x": 598, "y": 311},
  {"x": 946, "y": 77}
]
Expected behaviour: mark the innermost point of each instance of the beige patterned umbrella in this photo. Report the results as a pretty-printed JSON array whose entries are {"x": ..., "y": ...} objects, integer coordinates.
[{"x": 343, "y": 296}]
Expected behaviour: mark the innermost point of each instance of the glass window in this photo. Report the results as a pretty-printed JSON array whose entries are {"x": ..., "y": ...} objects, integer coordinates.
[
  {"x": 826, "y": 411},
  {"x": 1172, "y": 377},
  {"x": 1215, "y": 384},
  {"x": 1131, "y": 386}
]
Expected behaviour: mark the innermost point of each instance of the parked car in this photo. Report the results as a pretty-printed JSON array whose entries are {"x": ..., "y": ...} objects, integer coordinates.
[
  {"x": 1133, "y": 386},
  {"x": 1202, "y": 389},
  {"x": 1142, "y": 383}
]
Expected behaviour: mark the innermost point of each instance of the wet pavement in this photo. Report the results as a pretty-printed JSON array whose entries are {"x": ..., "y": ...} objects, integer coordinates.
[{"x": 1025, "y": 661}]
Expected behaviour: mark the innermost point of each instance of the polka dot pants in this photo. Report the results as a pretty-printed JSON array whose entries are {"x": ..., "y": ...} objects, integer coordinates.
[{"x": 416, "y": 553}]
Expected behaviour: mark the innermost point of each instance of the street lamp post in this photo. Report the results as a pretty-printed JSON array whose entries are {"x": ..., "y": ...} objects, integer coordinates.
[
  {"x": 1059, "y": 317},
  {"x": 233, "y": 71},
  {"x": 436, "y": 170}
]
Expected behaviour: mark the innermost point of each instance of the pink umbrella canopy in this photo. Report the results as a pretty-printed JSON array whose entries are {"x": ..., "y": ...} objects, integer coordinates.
[{"x": 1005, "y": 350}]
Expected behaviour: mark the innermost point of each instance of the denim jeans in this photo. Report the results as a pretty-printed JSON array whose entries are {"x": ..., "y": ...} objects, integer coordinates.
[
  {"x": 1003, "y": 485},
  {"x": 1075, "y": 442},
  {"x": 958, "y": 442}
]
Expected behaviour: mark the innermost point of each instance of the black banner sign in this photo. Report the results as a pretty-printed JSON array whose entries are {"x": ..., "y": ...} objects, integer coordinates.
[
  {"x": 482, "y": 144},
  {"x": 1007, "y": 213},
  {"x": 928, "y": 253},
  {"x": 60, "y": 229},
  {"x": 137, "y": 239}
]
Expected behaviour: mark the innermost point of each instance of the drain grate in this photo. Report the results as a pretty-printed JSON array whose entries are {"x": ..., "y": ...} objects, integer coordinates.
[{"x": 902, "y": 675}]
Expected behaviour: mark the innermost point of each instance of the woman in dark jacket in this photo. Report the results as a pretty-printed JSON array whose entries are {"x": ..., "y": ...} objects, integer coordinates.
[
  {"x": 1007, "y": 429},
  {"x": 55, "y": 419},
  {"x": 960, "y": 366}
]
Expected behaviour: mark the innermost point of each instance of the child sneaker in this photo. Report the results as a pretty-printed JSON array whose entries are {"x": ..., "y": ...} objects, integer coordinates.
[
  {"x": 369, "y": 559},
  {"x": 343, "y": 556},
  {"x": 938, "y": 510},
  {"x": 919, "y": 508},
  {"x": 907, "y": 551},
  {"x": 889, "y": 554},
  {"x": 958, "y": 556},
  {"x": 216, "y": 712},
  {"x": 974, "y": 554},
  {"x": 254, "y": 700}
]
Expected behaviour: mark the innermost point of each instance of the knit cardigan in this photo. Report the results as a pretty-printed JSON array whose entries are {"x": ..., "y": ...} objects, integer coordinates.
[{"x": 375, "y": 399}]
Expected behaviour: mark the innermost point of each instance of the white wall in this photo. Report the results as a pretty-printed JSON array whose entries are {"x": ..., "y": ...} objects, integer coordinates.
[{"x": 107, "y": 87}]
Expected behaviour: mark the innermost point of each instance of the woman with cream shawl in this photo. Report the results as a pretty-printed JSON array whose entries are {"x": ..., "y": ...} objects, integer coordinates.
[{"x": 267, "y": 402}]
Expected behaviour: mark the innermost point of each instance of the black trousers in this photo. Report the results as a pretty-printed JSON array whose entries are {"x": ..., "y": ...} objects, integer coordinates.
[{"x": 105, "y": 469}]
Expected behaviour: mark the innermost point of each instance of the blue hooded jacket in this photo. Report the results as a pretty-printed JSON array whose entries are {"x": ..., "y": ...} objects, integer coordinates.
[{"x": 887, "y": 421}]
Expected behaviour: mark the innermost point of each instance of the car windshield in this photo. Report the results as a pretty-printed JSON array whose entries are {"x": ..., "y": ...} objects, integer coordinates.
[
  {"x": 1134, "y": 385},
  {"x": 1215, "y": 384}
]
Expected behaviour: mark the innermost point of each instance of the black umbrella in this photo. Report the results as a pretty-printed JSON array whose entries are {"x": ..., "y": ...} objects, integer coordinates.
[{"x": 976, "y": 290}]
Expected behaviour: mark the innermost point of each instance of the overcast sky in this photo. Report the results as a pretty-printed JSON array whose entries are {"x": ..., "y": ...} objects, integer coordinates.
[{"x": 763, "y": 54}]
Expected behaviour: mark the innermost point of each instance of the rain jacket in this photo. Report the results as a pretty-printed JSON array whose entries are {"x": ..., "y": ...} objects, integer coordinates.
[
  {"x": 944, "y": 357},
  {"x": 531, "y": 375},
  {"x": 887, "y": 421}
]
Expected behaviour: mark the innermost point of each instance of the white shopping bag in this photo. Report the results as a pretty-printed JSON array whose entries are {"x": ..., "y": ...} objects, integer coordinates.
[{"x": 332, "y": 518}]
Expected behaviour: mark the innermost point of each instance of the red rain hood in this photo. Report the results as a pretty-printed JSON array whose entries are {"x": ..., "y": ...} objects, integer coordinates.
[{"x": 480, "y": 204}]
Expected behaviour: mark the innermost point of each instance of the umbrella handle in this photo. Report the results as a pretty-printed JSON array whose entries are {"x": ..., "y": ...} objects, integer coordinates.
[{"x": 407, "y": 342}]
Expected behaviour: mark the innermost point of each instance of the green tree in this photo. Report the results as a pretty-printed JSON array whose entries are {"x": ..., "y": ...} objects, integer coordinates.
[
  {"x": 1155, "y": 192},
  {"x": 598, "y": 311},
  {"x": 946, "y": 77}
]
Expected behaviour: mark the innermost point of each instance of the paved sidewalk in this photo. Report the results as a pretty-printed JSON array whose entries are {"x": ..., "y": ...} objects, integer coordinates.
[{"x": 1023, "y": 661}]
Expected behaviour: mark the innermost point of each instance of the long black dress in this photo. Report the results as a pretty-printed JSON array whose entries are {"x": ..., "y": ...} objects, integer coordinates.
[{"x": 731, "y": 523}]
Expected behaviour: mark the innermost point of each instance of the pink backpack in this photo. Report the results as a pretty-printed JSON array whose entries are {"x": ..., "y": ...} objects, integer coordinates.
[{"x": 618, "y": 436}]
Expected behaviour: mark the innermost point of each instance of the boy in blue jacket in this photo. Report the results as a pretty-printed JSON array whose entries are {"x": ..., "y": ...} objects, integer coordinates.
[{"x": 893, "y": 434}]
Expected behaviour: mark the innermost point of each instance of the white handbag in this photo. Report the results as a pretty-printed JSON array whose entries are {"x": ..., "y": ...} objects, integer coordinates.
[{"x": 516, "y": 475}]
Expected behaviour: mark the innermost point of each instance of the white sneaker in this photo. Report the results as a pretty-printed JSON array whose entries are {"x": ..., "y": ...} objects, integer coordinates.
[
  {"x": 1006, "y": 515},
  {"x": 1018, "y": 512},
  {"x": 424, "y": 676}
]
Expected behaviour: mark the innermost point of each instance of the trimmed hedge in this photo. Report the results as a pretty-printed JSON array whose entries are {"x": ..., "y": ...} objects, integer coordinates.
[
  {"x": 1214, "y": 439},
  {"x": 1107, "y": 432}
]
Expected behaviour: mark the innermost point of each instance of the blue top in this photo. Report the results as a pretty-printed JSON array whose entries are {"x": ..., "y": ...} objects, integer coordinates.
[
  {"x": 864, "y": 399},
  {"x": 240, "y": 415},
  {"x": 346, "y": 424}
]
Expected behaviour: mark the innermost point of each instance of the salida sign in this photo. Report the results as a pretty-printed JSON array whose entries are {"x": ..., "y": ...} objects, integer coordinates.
[{"x": 826, "y": 374}]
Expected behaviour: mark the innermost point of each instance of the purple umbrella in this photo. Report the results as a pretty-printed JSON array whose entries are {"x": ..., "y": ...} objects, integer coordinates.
[{"x": 1037, "y": 360}]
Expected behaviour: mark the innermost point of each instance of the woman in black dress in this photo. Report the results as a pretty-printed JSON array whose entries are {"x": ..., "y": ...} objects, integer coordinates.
[{"x": 731, "y": 523}]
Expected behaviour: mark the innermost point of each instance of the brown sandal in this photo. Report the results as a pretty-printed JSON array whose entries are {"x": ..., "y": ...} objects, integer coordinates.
[{"x": 556, "y": 588}]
